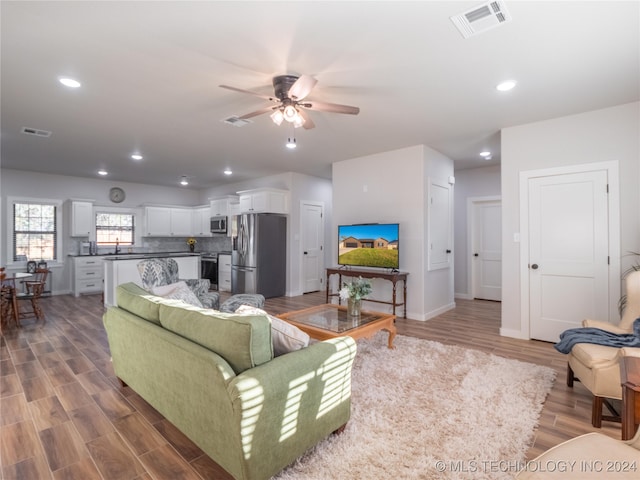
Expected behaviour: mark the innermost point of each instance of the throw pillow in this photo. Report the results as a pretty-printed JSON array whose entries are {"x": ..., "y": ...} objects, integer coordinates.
[
  {"x": 177, "y": 291},
  {"x": 286, "y": 337}
]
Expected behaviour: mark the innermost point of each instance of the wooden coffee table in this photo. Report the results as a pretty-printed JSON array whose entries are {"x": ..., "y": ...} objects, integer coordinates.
[{"x": 330, "y": 321}]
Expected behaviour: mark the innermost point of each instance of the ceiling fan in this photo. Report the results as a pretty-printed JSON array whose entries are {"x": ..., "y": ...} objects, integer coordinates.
[{"x": 288, "y": 101}]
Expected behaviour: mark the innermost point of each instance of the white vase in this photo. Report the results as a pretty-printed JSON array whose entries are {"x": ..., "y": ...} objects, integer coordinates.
[{"x": 353, "y": 307}]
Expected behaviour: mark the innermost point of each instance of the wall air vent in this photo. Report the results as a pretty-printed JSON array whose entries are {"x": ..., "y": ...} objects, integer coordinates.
[
  {"x": 236, "y": 121},
  {"x": 481, "y": 18},
  {"x": 35, "y": 131}
]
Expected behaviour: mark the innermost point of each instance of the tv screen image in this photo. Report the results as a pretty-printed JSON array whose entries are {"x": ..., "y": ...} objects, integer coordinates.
[{"x": 369, "y": 245}]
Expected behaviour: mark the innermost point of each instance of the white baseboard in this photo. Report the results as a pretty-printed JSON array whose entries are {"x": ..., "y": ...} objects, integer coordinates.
[
  {"x": 509, "y": 332},
  {"x": 429, "y": 315},
  {"x": 463, "y": 296}
]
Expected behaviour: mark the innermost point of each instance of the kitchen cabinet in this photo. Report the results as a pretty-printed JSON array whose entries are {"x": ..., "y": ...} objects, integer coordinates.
[
  {"x": 201, "y": 222},
  {"x": 82, "y": 220},
  {"x": 264, "y": 200},
  {"x": 167, "y": 221},
  {"x": 87, "y": 275},
  {"x": 224, "y": 272},
  {"x": 221, "y": 207}
]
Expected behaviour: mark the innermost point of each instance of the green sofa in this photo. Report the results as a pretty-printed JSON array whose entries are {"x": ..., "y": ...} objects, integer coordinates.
[{"x": 214, "y": 376}]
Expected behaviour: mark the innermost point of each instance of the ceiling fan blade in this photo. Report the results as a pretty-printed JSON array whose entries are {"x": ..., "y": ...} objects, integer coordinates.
[
  {"x": 258, "y": 112},
  {"x": 302, "y": 87},
  {"x": 267, "y": 97},
  {"x": 330, "y": 107},
  {"x": 308, "y": 123}
]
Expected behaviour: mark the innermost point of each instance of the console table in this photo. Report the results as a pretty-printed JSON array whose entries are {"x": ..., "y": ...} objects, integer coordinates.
[
  {"x": 630, "y": 377},
  {"x": 393, "y": 277}
]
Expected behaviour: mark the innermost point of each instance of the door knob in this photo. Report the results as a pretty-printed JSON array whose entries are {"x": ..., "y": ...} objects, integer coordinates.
[
  {"x": 306, "y": 253},
  {"x": 476, "y": 254},
  {"x": 534, "y": 266}
]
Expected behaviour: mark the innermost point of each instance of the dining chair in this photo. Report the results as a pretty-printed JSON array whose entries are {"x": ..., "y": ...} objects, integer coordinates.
[
  {"x": 32, "y": 292},
  {"x": 6, "y": 299}
]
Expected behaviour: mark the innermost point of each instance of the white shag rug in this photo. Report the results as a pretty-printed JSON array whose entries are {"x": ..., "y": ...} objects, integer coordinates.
[{"x": 431, "y": 411}]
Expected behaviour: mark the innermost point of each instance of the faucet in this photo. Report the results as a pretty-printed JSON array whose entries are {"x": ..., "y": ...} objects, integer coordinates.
[{"x": 117, "y": 247}]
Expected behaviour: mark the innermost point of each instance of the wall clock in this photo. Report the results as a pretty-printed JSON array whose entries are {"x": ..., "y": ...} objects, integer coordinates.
[{"x": 116, "y": 195}]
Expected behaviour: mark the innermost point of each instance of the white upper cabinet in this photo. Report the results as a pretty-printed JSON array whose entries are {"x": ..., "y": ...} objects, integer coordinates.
[
  {"x": 167, "y": 221},
  {"x": 221, "y": 207},
  {"x": 82, "y": 221},
  {"x": 264, "y": 200},
  {"x": 201, "y": 222}
]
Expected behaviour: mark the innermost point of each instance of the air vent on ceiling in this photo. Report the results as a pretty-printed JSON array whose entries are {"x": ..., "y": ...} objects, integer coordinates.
[
  {"x": 481, "y": 18},
  {"x": 35, "y": 131},
  {"x": 236, "y": 121}
]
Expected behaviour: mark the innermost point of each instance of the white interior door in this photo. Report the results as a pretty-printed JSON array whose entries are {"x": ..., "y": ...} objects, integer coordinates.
[
  {"x": 487, "y": 250},
  {"x": 568, "y": 252},
  {"x": 312, "y": 227}
]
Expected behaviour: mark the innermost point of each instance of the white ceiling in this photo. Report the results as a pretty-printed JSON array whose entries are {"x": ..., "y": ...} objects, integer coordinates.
[{"x": 150, "y": 73}]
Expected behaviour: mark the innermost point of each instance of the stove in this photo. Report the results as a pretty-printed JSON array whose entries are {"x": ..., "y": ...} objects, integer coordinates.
[{"x": 209, "y": 268}]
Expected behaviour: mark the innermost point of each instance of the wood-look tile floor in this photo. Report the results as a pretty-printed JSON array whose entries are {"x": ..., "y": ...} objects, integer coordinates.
[{"x": 63, "y": 414}]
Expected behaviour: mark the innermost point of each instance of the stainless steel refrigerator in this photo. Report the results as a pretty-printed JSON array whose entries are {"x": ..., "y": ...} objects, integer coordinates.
[{"x": 259, "y": 254}]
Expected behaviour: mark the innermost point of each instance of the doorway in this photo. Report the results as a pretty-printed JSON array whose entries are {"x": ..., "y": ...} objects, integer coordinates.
[
  {"x": 312, "y": 233},
  {"x": 570, "y": 252},
  {"x": 485, "y": 240}
]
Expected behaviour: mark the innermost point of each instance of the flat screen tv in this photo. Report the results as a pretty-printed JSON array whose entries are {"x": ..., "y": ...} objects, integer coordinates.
[{"x": 369, "y": 245}]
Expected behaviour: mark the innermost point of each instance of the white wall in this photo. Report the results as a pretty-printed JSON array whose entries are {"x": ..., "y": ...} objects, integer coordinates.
[
  {"x": 474, "y": 182},
  {"x": 391, "y": 187},
  {"x": 610, "y": 134}
]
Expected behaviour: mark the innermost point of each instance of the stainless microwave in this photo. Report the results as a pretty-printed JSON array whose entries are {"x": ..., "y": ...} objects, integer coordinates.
[{"x": 218, "y": 224}]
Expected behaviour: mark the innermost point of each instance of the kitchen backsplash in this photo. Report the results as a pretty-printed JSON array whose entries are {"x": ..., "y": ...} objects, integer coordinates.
[{"x": 163, "y": 244}]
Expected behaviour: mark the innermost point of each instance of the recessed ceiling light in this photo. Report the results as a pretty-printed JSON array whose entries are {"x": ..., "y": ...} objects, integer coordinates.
[
  {"x": 69, "y": 82},
  {"x": 136, "y": 156},
  {"x": 506, "y": 86},
  {"x": 485, "y": 154},
  {"x": 184, "y": 180},
  {"x": 103, "y": 172},
  {"x": 228, "y": 171}
]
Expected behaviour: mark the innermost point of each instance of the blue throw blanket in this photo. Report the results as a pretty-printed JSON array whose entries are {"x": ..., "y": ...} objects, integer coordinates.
[{"x": 572, "y": 336}]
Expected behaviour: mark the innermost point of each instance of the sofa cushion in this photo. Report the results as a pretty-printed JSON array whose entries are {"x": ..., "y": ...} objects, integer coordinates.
[
  {"x": 286, "y": 337},
  {"x": 136, "y": 300},
  {"x": 177, "y": 291},
  {"x": 244, "y": 341}
]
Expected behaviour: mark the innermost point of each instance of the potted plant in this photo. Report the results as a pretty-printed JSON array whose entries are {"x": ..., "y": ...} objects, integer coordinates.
[
  {"x": 192, "y": 243},
  {"x": 354, "y": 292}
]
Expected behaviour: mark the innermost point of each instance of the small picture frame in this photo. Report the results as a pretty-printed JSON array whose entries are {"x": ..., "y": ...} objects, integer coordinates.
[
  {"x": 31, "y": 266},
  {"x": 42, "y": 265}
]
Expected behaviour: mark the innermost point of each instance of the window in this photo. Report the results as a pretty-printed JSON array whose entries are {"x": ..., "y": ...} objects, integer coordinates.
[
  {"x": 34, "y": 231},
  {"x": 114, "y": 227}
]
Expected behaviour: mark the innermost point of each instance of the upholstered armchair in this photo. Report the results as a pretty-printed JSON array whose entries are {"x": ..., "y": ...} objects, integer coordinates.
[
  {"x": 590, "y": 456},
  {"x": 597, "y": 367},
  {"x": 157, "y": 272}
]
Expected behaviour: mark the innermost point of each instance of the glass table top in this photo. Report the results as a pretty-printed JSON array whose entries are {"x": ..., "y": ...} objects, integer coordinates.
[{"x": 332, "y": 318}]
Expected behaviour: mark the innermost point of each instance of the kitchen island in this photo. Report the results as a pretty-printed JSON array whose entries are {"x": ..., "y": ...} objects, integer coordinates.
[{"x": 119, "y": 269}]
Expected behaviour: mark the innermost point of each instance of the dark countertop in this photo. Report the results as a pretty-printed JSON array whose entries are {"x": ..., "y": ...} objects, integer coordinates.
[{"x": 136, "y": 256}]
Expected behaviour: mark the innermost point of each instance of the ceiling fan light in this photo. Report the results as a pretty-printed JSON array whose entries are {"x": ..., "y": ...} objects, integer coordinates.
[
  {"x": 290, "y": 113},
  {"x": 291, "y": 143},
  {"x": 277, "y": 117},
  {"x": 298, "y": 121}
]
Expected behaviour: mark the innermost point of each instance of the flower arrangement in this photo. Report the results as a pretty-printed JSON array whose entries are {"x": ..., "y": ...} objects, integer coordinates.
[
  {"x": 356, "y": 289},
  {"x": 191, "y": 241}
]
